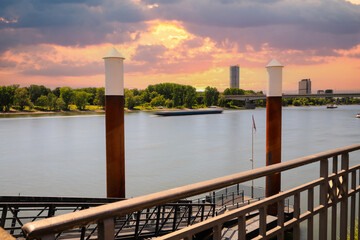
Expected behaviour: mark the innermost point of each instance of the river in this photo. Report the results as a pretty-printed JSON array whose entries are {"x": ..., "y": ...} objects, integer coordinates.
[{"x": 64, "y": 155}]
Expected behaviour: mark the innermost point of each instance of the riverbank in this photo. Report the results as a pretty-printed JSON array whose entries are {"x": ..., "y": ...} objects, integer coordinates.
[{"x": 101, "y": 111}]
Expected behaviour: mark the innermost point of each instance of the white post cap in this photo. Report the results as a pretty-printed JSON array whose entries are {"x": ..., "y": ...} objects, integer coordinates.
[
  {"x": 274, "y": 85},
  {"x": 114, "y": 73}
]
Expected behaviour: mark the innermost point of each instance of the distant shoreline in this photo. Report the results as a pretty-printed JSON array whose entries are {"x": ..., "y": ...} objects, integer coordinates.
[
  {"x": 14, "y": 112},
  {"x": 49, "y": 112}
]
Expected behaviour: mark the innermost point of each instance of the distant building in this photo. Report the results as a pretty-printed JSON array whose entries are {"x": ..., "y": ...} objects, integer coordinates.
[
  {"x": 329, "y": 91},
  {"x": 305, "y": 86},
  {"x": 235, "y": 76},
  {"x": 320, "y": 92}
]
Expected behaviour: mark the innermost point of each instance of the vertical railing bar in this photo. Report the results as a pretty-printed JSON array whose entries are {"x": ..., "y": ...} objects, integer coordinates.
[
  {"x": 310, "y": 222},
  {"x": 217, "y": 232},
  {"x": 280, "y": 221},
  {"x": 202, "y": 213},
  {"x": 138, "y": 215},
  {"x": 296, "y": 228},
  {"x": 352, "y": 206},
  {"x": 358, "y": 219},
  {"x": 334, "y": 199},
  {"x": 262, "y": 221},
  {"x": 3, "y": 217},
  {"x": 344, "y": 197},
  {"x": 242, "y": 227},
  {"x": 323, "y": 199},
  {"x": 157, "y": 220},
  {"x": 182, "y": 217},
  {"x": 175, "y": 217},
  {"x": 106, "y": 229},
  {"x": 190, "y": 215}
]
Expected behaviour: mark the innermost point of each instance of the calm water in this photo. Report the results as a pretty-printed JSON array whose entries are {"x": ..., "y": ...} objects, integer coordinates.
[{"x": 65, "y": 155}]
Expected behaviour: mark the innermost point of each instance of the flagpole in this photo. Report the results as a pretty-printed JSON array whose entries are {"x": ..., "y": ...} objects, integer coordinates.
[{"x": 252, "y": 157}]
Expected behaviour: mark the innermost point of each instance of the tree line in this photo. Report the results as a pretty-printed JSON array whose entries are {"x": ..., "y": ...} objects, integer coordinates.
[
  {"x": 43, "y": 98},
  {"x": 169, "y": 95}
]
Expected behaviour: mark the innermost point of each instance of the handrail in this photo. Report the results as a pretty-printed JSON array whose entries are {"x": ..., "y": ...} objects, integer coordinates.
[{"x": 97, "y": 214}]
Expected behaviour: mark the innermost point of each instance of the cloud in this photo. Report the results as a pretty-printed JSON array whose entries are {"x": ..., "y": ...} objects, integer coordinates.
[
  {"x": 297, "y": 24},
  {"x": 67, "y": 69}
]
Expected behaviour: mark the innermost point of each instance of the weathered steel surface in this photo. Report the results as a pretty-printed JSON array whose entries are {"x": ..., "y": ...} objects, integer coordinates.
[
  {"x": 115, "y": 147},
  {"x": 273, "y": 147},
  {"x": 5, "y": 235}
]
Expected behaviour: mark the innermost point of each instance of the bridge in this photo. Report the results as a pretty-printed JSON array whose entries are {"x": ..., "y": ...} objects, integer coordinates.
[{"x": 262, "y": 97}]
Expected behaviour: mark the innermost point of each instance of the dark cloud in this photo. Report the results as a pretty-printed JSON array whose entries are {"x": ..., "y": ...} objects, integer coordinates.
[
  {"x": 312, "y": 26},
  {"x": 7, "y": 64},
  {"x": 149, "y": 54},
  {"x": 68, "y": 23},
  {"x": 299, "y": 24}
]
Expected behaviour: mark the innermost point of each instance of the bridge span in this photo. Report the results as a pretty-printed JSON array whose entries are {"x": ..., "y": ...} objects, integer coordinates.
[{"x": 262, "y": 96}]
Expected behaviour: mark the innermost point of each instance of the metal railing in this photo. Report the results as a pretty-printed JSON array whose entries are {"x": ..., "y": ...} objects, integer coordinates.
[
  {"x": 333, "y": 189},
  {"x": 15, "y": 211}
]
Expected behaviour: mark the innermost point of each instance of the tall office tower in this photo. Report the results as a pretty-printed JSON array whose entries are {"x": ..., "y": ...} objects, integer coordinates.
[
  {"x": 305, "y": 86},
  {"x": 235, "y": 76}
]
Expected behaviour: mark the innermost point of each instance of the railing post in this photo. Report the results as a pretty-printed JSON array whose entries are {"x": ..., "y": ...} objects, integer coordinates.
[
  {"x": 262, "y": 221},
  {"x": 137, "y": 224},
  {"x": 106, "y": 229},
  {"x": 296, "y": 228},
  {"x": 344, "y": 197},
  {"x": 175, "y": 217},
  {"x": 158, "y": 214},
  {"x": 352, "y": 206},
  {"x": 334, "y": 200},
  {"x": 323, "y": 199},
  {"x": 3, "y": 217},
  {"x": 310, "y": 223},
  {"x": 217, "y": 232},
  {"x": 241, "y": 227},
  {"x": 190, "y": 215},
  {"x": 280, "y": 221},
  {"x": 48, "y": 237}
]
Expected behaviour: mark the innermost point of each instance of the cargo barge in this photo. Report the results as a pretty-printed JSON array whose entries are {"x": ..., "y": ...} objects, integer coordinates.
[{"x": 188, "y": 112}]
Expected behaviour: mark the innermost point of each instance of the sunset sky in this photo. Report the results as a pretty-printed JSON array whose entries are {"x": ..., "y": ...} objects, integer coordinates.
[{"x": 61, "y": 43}]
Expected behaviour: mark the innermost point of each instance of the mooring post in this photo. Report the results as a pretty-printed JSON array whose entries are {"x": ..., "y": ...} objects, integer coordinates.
[
  {"x": 114, "y": 120},
  {"x": 273, "y": 128}
]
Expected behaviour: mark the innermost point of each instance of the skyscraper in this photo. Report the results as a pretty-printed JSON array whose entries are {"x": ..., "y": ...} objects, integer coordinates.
[
  {"x": 235, "y": 76},
  {"x": 305, "y": 86}
]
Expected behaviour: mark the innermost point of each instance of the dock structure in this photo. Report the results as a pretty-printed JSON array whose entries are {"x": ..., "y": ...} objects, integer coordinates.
[{"x": 150, "y": 222}]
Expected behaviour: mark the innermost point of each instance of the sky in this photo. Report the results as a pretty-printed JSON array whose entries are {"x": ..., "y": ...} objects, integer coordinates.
[{"x": 61, "y": 43}]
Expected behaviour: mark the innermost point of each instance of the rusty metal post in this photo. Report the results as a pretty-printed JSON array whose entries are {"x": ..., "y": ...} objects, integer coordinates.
[
  {"x": 273, "y": 128},
  {"x": 114, "y": 120}
]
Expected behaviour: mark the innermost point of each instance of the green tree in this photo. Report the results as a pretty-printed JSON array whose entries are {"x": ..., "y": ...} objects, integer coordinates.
[
  {"x": 190, "y": 97},
  {"x": 158, "y": 101},
  {"x": 169, "y": 103},
  {"x": 81, "y": 99},
  {"x": 52, "y": 101},
  {"x": 22, "y": 99},
  {"x": 67, "y": 95},
  {"x": 56, "y": 92},
  {"x": 100, "y": 97},
  {"x": 7, "y": 97},
  {"x": 211, "y": 96},
  {"x": 42, "y": 101},
  {"x": 36, "y": 91},
  {"x": 234, "y": 91},
  {"x": 60, "y": 104},
  {"x": 222, "y": 102}
]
